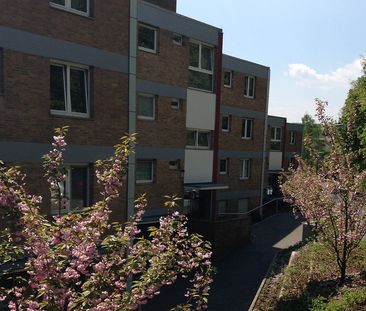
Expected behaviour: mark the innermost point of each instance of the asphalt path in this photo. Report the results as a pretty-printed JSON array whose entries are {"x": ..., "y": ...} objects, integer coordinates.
[{"x": 240, "y": 274}]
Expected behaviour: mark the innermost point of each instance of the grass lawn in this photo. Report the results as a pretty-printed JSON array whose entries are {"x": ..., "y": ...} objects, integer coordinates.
[{"x": 310, "y": 283}]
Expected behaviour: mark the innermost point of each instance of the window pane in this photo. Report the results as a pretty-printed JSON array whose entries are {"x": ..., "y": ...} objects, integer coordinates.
[
  {"x": 79, "y": 187},
  {"x": 57, "y": 87},
  {"x": 225, "y": 123},
  {"x": 80, "y": 5},
  {"x": 246, "y": 86},
  {"x": 206, "y": 60},
  {"x": 223, "y": 166},
  {"x": 251, "y": 87},
  {"x": 194, "y": 55},
  {"x": 241, "y": 168},
  {"x": 203, "y": 139},
  {"x": 278, "y": 133},
  {"x": 191, "y": 138},
  {"x": 145, "y": 106},
  {"x": 146, "y": 38},
  {"x": 248, "y": 129},
  {"x": 200, "y": 80},
  {"x": 144, "y": 171},
  {"x": 227, "y": 78},
  {"x": 78, "y": 90},
  {"x": 246, "y": 168},
  {"x": 61, "y": 2}
]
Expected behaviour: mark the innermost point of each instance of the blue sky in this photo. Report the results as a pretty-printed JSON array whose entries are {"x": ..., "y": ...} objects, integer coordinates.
[{"x": 313, "y": 47}]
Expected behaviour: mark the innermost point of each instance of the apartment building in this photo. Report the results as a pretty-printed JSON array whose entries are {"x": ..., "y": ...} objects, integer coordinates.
[{"x": 110, "y": 67}]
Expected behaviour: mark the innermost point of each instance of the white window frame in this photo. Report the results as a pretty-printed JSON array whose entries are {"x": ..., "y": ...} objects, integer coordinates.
[
  {"x": 226, "y": 167},
  {"x": 68, "y": 167},
  {"x": 228, "y": 123},
  {"x": 276, "y": 130},
  {"x": 231, "y": 78},
  {"x": 142, "y": 48},
  {"x": 146, "y": 181},
  {"x": 175, "y": 37},
  {"x": 154, "y": 105},
  {"x": 67, "y": 7},
  {"x": 292, "y": 137},
  {"x": 196, "y": 146},
  {"x": 246, "y": 162},
  {"x": 175, "y": 103},
  {"x": 67, "y": 93},
  {"x": 245, "y": 121},
  {"x": 247, "y": 86}
]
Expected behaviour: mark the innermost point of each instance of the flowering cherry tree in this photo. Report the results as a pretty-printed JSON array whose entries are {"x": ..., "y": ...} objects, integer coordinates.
[
  {"x": 75, "y": 263},
  {"x": 331, "y": 194}
]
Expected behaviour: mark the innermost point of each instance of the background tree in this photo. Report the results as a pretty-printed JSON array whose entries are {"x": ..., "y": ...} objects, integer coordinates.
[
  {"x": 75, "y": 263},
  {"x": 355, "y": 109},
  {"x": 331, "y": 195},
  {"x": 312, "y": 133}
]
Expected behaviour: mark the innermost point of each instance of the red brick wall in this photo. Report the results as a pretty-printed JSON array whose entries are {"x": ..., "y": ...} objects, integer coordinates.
[{"x": 108, "y": 29}]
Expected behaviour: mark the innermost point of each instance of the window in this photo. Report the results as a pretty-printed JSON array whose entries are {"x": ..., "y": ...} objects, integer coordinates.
[
  {"x": 146, "y": 107},
  {"x": 224, "y": 166},
  {"x": 199, "y": 139},
  {"x": 174, "y": 165},
  {"x": 276, "y": 134},
  {"x": 200, "y": 66},
  {"x": 222, "y": 207},
  {"x": 76, "y": 6},
  {"x": 144, "y": 172},
  {"x": 244, "y": 169},
  {"x": 177, "y": 39},
  {"x": 243, "y": 205},
  {"x": 175, "y": 104},
  {"x": 249, "y": 86},
  {"x": 1, "y": 70},
  {"x": 69, "y": 89},
  {"x": 247, "y": 129},
  {"x": 74, "y": 190},
  {"x": 147, "y": 38},
  {"x": 228, "y": 77},
  {"x": 225, "y": 123},
  {"x": 292, "y": 138}
]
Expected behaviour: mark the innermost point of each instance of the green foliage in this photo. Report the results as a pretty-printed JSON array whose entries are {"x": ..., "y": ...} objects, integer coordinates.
[{"x": 355, "y": 109}]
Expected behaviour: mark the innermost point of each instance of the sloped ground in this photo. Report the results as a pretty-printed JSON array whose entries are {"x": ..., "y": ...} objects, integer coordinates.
[{"x": 240, "y": 274}]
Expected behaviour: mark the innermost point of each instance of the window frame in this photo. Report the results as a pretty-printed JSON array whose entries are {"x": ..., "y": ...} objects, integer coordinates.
[
  {"x": 140, "y": 117},
  {"x": 228, "y": 123},
  {"x": 247, "y": 86},
  {"x": 68, "y": 189},
  {"x": 245, "y": 121},
  {"x": 146, "y": 181},
  {"x": 67, "y": 90},
  {"x": 142, "y": 48},
  {"x": 196, "y": 145},
  {"x": 199, "y": 68},
  {"x": 274, "y": 139},
  {"x": 231, "y": 79},
  {"x": 243, "y": 164},
  {"x": 175, "y": 103},
  {"x": 67, "y": 7},
  {"x": 292, "y": 137},
  {"x": 226, "y": 172}
]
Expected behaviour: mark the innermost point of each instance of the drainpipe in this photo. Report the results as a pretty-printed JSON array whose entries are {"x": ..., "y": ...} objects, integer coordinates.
[
  {"x": 284, "y": 145},
  {"x": 215, "y": 169},
  {"x": 132, "y": 60},
  {"x": 263, "y": 170}
]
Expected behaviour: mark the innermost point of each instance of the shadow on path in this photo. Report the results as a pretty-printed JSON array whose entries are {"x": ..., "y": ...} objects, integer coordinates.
[{"x": 239, "y": 275}]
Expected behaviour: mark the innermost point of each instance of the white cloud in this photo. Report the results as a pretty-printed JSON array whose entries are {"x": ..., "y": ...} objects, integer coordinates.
[{"x": 308, "y": 76}]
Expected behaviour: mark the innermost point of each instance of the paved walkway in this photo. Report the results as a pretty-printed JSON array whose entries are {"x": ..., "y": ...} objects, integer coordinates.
[{"x": 241, "y": 273}]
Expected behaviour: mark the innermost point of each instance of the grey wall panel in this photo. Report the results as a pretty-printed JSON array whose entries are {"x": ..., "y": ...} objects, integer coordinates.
[
  {"x": 235, "y": 195},
  {"x": 240, "y": 112},
  {"x": 159, "y": 153},
  {"x": 234, "y": 154},
  {"x": 161, "y": 89},
  {"x": 33, "y": 152},
  {"x": 295, "y": 127},
  {"x": 243, "y": 66},
  {"x": 30, "y": 43},
  {"x": 165, "y": 19},
  {"x": 276, "y": 121}
]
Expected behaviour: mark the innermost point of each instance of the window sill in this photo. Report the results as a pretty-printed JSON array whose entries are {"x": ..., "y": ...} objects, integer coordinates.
[
  {"x": 226, "y": 131},
  {"x": 197, "y": 148},
  {"x": 61, "y": 114},
  {"x": 247, "y": 138},
  {"x": 228, "y": 86},
  {"x": 201, "y": 90},
  {"x": 223, "y": 174},
  {"x": 144, "y": 182},
  {"x": 249, "y": 97},
  {"x": 147, "y": 50},
  {"x": 74, "y": 12},
  {"x": 145, "y": 118},
  {"x": 244, "y": 178}
]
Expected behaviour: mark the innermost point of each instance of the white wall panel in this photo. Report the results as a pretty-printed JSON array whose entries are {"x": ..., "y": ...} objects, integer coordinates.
[
  {"x": 198, "y": 165},
  {"x": 200, "y": 110},
  {"x": 275, "y": 161}
]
